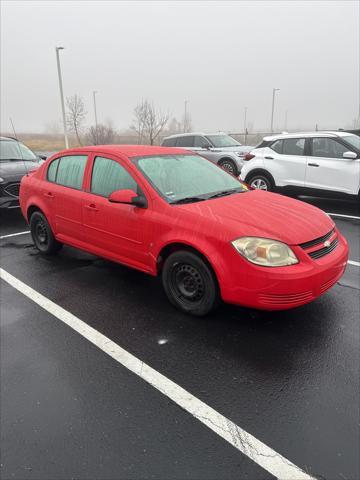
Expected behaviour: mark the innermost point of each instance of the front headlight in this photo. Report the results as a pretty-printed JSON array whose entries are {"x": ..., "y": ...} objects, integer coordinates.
[
  {"x": 265, "y": 252},
  {"x": 1, "y": 180}
]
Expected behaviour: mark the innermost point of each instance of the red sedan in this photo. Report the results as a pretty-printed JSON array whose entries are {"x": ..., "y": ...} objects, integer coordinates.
[{"x": 169, "y": 212}]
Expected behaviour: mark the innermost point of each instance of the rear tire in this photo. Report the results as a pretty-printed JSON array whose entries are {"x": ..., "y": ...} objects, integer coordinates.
[
  {"x": 189, "y": 283},
  {"x": 260, "y": 181},
  {"x": 42, "y": 235},
  {"x": 230, "y": 166}
]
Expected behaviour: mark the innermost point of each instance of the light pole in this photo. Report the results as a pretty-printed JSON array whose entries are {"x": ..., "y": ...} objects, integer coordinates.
[
  {"x": 95, "y": 113},
  {"x": 61, "y": 95},
  {"x": 185, "y": 115},
  {"x": 272, "y": 109},
  {"x": 245, "y": 132}
]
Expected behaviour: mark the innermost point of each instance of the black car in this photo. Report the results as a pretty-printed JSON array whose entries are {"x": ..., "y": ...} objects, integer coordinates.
[{"x": 15, "y": 161}]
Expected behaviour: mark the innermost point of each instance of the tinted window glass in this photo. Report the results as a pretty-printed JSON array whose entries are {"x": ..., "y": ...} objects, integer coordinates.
[
  {"x": 186, "y": 141},
  {"x": 277, "y": 146},
  {"x": 201, "y": 142},
  {"x": 109, "y": 176},
  {"x": 327, "y": 147},
  {"x": 71, "y": 171},
  {"x": 169, "y": 142},
  {"x": 293, "y": 146},
  {"x": 51, "y": 173}
]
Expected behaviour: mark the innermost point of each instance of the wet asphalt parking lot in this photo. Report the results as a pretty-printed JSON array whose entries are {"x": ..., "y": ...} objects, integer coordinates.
[{"x": 69, "y": 410}]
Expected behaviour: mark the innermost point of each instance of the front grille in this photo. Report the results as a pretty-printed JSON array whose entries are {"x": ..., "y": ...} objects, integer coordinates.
[
  {"x": 317, "y": 241},
  {"x": 12, "y": 189},
  {"x": 286, "y": 299},
  {"x": 325, "y": 250}
]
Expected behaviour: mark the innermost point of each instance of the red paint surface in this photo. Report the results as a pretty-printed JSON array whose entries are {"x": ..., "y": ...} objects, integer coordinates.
[{"x": 136, "y": 237}]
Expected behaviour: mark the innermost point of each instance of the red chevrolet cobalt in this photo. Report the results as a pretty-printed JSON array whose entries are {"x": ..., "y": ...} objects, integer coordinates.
[{"x": 169, "y": 212}]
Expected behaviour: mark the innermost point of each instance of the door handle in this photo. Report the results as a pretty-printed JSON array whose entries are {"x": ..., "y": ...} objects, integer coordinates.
[
  {"x": 313, "y": 165},
  {"x": 49, "y": 195},
  {"x": 92, "y": 207},
  {"x": 269, "y": 158}
]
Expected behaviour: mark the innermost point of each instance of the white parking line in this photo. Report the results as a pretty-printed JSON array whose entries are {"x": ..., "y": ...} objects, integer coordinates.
[
  {"x": 343, "y": 216},
  {"x": 250, "y": 446},
  {"x": 352, "y": 262},
  {"x": 14, "y": 234}
]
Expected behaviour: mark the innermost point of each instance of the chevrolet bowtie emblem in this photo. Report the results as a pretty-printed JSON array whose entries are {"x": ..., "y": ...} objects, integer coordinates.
[{"x": 327, "y": 243}]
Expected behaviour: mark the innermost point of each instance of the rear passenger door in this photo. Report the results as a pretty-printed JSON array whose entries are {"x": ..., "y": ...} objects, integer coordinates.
[
  {"x": 285, "y": 159},
  {"x": 116, "y": 230},
  {"x": 63, "y": 193}
]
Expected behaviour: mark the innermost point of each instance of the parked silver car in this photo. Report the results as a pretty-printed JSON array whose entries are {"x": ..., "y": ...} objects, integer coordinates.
[{"x": 220, "y": 148}]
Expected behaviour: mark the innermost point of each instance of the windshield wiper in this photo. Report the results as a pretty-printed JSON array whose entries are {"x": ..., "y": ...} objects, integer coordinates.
[
  {"x": 224, "y": 193},
  {"x": 15, "y": 160},
  {"x": 188, "y": 200}
]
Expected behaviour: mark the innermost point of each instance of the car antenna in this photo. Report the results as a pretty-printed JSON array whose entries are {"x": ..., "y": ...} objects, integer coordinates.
[{"x": 21, "y": 155}]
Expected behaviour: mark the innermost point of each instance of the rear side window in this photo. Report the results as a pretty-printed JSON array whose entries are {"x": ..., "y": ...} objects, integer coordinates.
[
  {"x": 277, "y": 146},
  {"x": 70, "y": 171},
  {"x": 51, "y": 173},
  {"x": 186, "y": 141},
  {"x": 169, "y": 142},
  {"x": 109, "y": 176},
  {"x": 293, "y": 146}
]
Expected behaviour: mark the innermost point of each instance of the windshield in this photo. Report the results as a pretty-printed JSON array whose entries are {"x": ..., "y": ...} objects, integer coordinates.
[
  {"x": 10, "y": 149},
  {"x": 352, "y": 140},
  {"x": 220, "y": 141},
  {"x": 177, "y": 177}
]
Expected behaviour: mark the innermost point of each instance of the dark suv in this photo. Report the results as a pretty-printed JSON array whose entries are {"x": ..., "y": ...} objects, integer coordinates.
[{"x": 15, "y": 161}]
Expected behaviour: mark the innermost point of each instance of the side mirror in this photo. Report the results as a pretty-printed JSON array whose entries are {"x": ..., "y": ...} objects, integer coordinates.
[
  {"x": 128, "y": 197},
  {"x": 350, "y": 155},
  {"x": 42, "y": 157}
]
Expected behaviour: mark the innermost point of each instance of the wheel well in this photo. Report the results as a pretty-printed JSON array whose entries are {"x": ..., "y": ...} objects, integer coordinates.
[
  {"x": 33, "y": 209},
  {"x": 175, "y": 247},
  {"x": 258, "y": 171},
  {"x": 223, "y": 159}
]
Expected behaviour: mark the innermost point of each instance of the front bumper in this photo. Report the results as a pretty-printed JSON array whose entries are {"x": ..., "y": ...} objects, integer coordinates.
[
  {"x": 281, "y": 288},
  {"x": 9, "y": 202}
]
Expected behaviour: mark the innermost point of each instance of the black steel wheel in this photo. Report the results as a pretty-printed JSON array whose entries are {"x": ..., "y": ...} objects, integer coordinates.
[
  {"x": 189, "y": 283},
  {"x": 42, "y": 235}
]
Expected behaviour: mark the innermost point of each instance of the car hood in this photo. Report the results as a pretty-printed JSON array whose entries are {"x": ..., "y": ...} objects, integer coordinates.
[
  {"x": 15, "y": 170},
  {"x": 264, "y": 214}
]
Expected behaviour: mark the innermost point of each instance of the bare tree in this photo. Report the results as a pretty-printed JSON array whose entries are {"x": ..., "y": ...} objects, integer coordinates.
[
  {"x": 148, "y": 122},
  {"x": 101, "y": 135},
  {"x": 76, "y": 115}
]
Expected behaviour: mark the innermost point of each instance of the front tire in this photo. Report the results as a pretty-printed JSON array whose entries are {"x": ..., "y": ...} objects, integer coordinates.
[
  {"x": 42, "y": 235},
  {"x": 260, "y": 181},
  {"x": 230, "y": 166},
  {"x": 189, "y": 283}
]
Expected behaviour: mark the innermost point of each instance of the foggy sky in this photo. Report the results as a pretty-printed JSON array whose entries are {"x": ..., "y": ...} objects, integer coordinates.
[{"x": 219, "y": 56}]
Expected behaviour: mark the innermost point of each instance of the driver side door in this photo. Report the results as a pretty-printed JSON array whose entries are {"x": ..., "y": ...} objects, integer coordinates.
[{"x": 114, "y": 230}]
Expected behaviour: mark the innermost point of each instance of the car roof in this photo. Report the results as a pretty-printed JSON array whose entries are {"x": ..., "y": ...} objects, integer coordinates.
[
  {"x": 323, "y": 133},
  {"x": 127, "y": 150},
  {"x": 191, "y": 134}
]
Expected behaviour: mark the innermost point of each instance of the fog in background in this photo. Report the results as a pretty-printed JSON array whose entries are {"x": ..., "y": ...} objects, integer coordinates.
[{"x": 219, "y": 56}]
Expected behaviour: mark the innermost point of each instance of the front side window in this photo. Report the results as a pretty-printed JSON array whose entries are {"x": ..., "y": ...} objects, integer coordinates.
[
  {"x": 327, "y": 147},
  {"x": 177, "y": 177},
  {"x": 70, "y": 172},
  {"x": 293, "y": 146},
  {"x": 109, "y": 176},
  {"x": 169, "y": 142},
  {"x": 352, "y": 141},
  {"x": 221, "y": 141},
  {"x": 186, "y": 141},
  {"x": 201, "y": 142}
]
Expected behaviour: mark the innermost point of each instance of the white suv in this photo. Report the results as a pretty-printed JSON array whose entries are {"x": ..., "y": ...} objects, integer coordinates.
[{"x": 313, "y": 163}]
